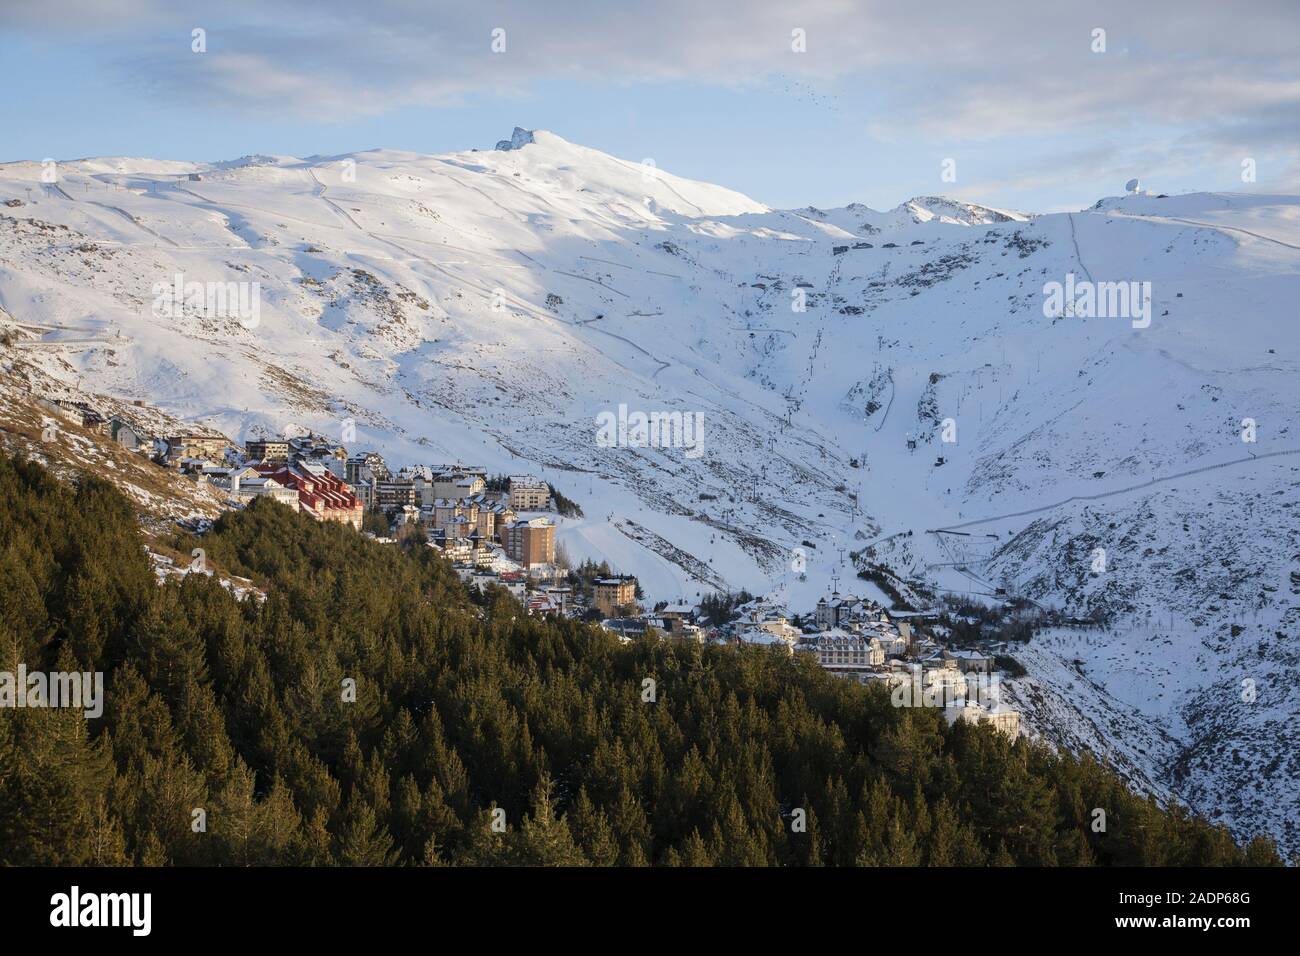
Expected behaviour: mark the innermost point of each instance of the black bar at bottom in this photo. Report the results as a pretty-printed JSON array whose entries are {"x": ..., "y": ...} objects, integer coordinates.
[{"x": 334, "y": 905}]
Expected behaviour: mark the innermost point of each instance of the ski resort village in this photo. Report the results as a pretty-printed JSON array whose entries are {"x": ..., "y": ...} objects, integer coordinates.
[{"x": 499, "y": 531}]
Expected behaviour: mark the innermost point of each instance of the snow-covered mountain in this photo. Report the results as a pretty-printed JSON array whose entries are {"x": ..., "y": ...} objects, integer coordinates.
[
  {"x": 859, "y": 220},
  {"x": 489, "y": 306}
]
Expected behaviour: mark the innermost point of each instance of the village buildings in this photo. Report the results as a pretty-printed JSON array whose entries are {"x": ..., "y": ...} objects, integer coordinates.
[
  {"x": 392, "y": 494},
  {"x": 530, "y": 542},
  {"x": 363, "y": 468},
  {"x": 1002, "y": 719},
  {"x": 317, "y": 449},
  {"x": 126, "y": 434},
  {"x": 763, "y": 623},
  {"x": 841, "y": 610},
  {"x": 679, "y": 620},
  {"x": 75, "y": 413},
  {"x": 321, "y": 493},
  {"x": 528, "y": 493},
  {"x": 267, "y": 449},
  {"x": 245, "y": 484},
  {"x": 610, "y": 595},
  {"x": 460, "y": 516},
  {"x": 844, "y": 653},
  {"x": 196, "y": 445},
  {"x": 453, "y": 483}
]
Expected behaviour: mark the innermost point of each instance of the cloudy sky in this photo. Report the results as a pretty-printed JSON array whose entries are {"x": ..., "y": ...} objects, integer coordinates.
[{"x": 823, "y": 102}]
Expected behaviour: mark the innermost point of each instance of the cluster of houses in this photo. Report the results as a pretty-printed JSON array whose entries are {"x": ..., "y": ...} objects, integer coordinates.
[
  {"x": 490, "y": 534},
  {"x": 298, "y": 473},
  {"x": 857, "y": 639},
  {"x": 117, "y": 428},
  {"x": 475, "y": 527}
]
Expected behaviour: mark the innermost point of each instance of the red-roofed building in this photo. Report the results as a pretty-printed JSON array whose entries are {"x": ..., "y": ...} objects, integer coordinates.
[
  {"x": 321, "y": 493},
  {"x": 542, "y": 604}
]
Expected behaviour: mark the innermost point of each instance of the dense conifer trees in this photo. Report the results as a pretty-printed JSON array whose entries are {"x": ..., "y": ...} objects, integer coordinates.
[{"x": 368, "y": 711}]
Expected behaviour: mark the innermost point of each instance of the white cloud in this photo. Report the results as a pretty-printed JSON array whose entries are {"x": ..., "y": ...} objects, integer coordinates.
[{"x": 1200, "y": 76}]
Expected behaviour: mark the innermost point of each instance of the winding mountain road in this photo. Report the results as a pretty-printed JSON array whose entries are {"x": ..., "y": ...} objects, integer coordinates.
[{"x": 1122, "y": 491}]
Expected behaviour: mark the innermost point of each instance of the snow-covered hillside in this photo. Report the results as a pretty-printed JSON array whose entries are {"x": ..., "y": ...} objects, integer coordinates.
[{"x": 488, "y": 306}]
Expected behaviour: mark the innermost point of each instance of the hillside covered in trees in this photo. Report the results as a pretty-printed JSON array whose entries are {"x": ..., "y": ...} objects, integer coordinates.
[{"x": 464, "y": 707}]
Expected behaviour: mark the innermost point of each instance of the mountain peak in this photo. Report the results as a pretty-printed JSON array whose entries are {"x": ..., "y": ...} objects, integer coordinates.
[
  {"x": 954, "y": 211},
  {"x": 518, "y": 139}
]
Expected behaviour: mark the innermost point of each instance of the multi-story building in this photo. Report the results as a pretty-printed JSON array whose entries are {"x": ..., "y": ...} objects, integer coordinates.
[
  {"x": 782, "y": 640},
  {"x": 531, "y": 542},
  {"x": 458, "y": 527},
  {"x": 528, "y": 493},
  {"x": 364, "y": 489},
  {"x": 486, "y": 519},
  {"x": 839, "y": 610},
  {"x": 321, "y": 493},
  {"x": 267, "y": 449},
  {"x": 767, "y": 626},
  {"x": 211, "y": 446},
  {"x": 372, "y": 463},
  {"x": 247, "y": 484},
  {"x": 394, "y": 493},
  {"x": 475, "y": 471},
  {"x": 456, "y": 550},
  {"x": 469, "y": 485},
  {"x": 463, "y": 550},
  {"x": 969, "y": 662},
  {"x": 462, "y": 513},
  {"x": 561, "y": 594},
  {"x": 78, "y": 413},
  {"x": 457, "y": 484},
  {"x": 320, "y": 450},
  {"x": 422, "y": 477},
  {"x": 194, "y": 445},
  {"x": 610, "y": 594},
  {"x": 827, "y": 611},
  {"x": 64, "y": 410},
  {"x": 485, "y": 556},
  {"x": 332, "y": 459},
  {"x": 504, "y": 515},
  {"x": 1000, "y": 718},
  {"x": 840, "y": 651},
  {"x": 891, "y": 642},
  {"x": 687, "y": 632},
  {"x": 677, "y": 616},
  {"x": 542, "y": 604}
]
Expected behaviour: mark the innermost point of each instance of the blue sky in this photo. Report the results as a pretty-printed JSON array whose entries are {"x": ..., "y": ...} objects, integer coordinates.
[{"x": 1034, "y": 116}]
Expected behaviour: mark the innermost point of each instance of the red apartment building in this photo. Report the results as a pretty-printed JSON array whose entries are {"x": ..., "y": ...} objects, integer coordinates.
[{"x": 321, "y": 493}]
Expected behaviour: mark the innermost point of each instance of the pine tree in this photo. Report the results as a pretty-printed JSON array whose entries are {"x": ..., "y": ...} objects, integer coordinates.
[
  {"x": 363, "y": 841},
  {"x": 901, "y": 846},
  {"x": 811, "y": 840},
  {"x": 592, "y": 830},
  {"x": 942, "y": 845},
  {"x": 695, "y": 852},
  {"x": 1001, "y": 857},
  {"x": 544, "y": 838},
  {"x": 631, "y": 829}
]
